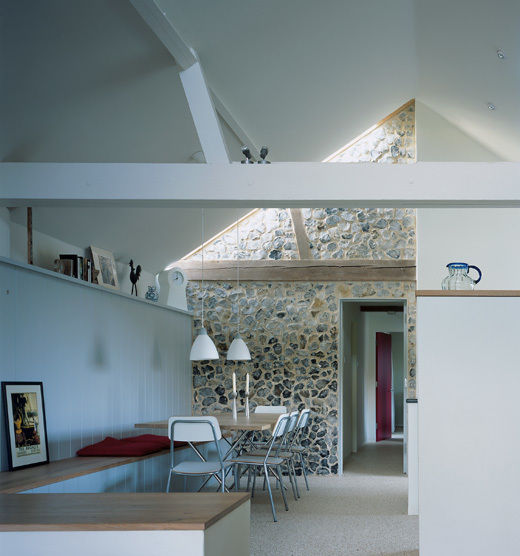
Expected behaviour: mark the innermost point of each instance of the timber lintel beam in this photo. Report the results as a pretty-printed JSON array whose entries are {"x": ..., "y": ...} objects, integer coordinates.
[{"x": 301, "y": 270}]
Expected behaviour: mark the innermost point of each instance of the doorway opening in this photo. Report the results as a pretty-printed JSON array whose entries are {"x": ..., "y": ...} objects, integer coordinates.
[{"x": 374, "y": 359}]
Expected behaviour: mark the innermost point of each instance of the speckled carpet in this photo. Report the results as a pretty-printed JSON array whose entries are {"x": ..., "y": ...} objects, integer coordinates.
[{"x": 361, "y": 513}]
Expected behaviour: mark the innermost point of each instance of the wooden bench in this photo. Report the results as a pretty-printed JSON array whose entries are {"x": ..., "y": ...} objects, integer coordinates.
[
  {"x": 203, "y": 524},
  {"x": 61, "y": 470}
]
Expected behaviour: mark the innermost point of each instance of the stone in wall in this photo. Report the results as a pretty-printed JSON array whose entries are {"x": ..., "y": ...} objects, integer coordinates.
[
  {"x": 266, "y": 234},
  {"x": 374, "y": 234},
  {"x": 392, "y": 142},
  {"x": 291, "y": 329}
]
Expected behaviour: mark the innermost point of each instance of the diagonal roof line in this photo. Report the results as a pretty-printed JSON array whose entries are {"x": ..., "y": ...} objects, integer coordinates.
[
  {"x": 369, "y": 130},
  {"x": 220, "y": 234}
]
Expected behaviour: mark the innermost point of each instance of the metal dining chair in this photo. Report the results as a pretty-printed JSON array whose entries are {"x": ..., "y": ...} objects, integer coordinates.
[
  {"x": 270, "y": 409},
  {"x": 193, "y": 430},
  {"x": 269, "y": 462},
  {"x": 296, "y": 447},
  {"x": 283, "y": 450}
]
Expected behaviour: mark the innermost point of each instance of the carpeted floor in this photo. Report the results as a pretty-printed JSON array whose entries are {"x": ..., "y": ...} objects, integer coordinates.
[{"x": 361, "y": 513}]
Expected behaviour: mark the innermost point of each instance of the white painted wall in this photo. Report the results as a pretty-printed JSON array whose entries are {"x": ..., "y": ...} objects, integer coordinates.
[
  {"x": 484, "y": 237},
  {"x": 438, "y": 140},
  {"x": 372, "y": 323},
  {"x": 487, "y": 238},
  {"x": 468, "y": 452},
  {"x": 106, "y": 361},
  {"x": 47, "y": 248},
  {"x": 5, "y": 232}
]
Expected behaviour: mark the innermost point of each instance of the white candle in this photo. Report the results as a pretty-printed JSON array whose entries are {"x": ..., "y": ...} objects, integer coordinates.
[
  {"x": 247, "y": 384},
  {"x": 234, "y": 383}
]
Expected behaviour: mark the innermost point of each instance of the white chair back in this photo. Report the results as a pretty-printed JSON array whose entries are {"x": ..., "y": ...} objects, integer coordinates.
[
  {"x": 281, "y": 425},
  {"x": 293, "y": 419},
  {"x": 194, "y": 429},
  {"x": 304, "y": 418},
  {"x": 270, "y": 409}
]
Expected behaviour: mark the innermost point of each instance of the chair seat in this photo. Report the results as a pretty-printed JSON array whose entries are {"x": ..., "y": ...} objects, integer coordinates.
[
  {"x": 262, "y": 452},
  {"x": 298, "y": 449},
  {"x": 255, "y": 460},
  {"x": 198, "y": 467}
]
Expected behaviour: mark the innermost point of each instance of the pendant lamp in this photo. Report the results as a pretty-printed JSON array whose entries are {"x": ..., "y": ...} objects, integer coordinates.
[
  {"x": 238, "y": 350},
  {"x": 203, "y": 347}
]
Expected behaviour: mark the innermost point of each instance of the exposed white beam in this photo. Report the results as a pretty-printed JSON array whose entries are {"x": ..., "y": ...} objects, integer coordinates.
[
  {"x": 291, "y": 185},
  {"x": 158, "y": 21},
  {"x": 235, "y": 126},
  {"x": 204, "y": 115},
  {"x": 184, "y": 56}
]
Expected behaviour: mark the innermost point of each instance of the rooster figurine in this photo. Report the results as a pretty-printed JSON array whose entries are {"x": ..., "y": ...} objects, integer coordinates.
[{"x": 135, "y": 273}]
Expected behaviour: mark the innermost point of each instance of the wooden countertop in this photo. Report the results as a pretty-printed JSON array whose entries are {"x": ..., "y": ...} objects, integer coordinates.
[
  {"x": 62, "y": 470},
  {"x": 467, "y": 293},
  {"x": 116, "y": 512},
  {"x": 255, "y": 422}
]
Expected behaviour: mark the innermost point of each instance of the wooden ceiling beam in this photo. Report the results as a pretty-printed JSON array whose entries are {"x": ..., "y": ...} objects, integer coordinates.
[
  {"x": 302, "y": 240},
  {"x": 301, "y": 270}
]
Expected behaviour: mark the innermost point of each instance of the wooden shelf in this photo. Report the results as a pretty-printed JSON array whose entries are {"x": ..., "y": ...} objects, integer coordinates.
[
  {"x": 61, "y": 470},
  {"x": 116, "y": 511},
  {"x": 82, "y": 283},
  {"x": 467, "y": 293}
]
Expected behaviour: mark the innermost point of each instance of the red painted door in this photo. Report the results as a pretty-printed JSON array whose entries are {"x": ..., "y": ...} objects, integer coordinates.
[{"x": 384, "y": 386}]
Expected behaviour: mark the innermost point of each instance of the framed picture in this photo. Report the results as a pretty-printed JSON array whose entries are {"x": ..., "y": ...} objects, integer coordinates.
[
  {"x": 105, "y": 264},
  {"x": 25, "y": 423}
]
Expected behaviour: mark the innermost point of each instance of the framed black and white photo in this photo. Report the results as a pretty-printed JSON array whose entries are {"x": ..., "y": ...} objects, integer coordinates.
[
  {"x": 26, "y": 432},
  {"x": 105, "y": 264}
]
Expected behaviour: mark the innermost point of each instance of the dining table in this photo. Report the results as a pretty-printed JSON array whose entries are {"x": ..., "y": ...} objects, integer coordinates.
[{"x": 242, "y": 428}]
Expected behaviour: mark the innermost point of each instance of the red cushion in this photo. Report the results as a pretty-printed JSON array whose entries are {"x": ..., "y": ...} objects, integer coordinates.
[{"x": 131, "y": 446}]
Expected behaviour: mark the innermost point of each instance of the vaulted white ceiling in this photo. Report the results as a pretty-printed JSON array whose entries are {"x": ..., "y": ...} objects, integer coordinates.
[{"x": 90, "y": 82}]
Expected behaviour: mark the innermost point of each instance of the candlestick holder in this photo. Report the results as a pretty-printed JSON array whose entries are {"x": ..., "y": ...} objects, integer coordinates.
[
  {"x": 234, "y": 405},
  {"x": 247, "y": 405}
]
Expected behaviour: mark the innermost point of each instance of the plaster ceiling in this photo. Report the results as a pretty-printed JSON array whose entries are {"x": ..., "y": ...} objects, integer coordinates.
[{"x": 89, "y": 82}]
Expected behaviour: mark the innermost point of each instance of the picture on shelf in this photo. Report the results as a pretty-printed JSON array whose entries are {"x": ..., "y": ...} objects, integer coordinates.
[
  {"x": 105, "y": 264},
  {"x": 25, "y": 422}
]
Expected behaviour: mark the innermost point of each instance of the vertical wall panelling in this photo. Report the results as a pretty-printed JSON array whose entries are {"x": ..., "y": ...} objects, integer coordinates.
[{"x": 106, "y": 361}]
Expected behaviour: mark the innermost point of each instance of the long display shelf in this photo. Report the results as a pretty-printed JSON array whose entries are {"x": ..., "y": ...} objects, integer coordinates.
[
  {"x": 467, "y": 293},
  {"x": 82, "y": 283}
]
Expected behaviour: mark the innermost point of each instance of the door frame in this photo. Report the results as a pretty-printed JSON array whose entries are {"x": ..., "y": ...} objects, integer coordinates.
[{"x": 400, "y": 301}]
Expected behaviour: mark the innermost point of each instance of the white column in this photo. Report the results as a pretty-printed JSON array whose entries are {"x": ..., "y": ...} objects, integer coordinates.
[{"x": 413, "y": 458}]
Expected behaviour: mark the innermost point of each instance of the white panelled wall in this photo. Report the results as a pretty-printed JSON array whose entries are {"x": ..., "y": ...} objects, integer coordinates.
[{"x": 106, "y": 361}]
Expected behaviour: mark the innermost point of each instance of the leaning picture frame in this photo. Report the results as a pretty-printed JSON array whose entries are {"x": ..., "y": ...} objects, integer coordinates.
[
  {"x": 26, "y": 428},
  {"x": 105, "y": 264}
]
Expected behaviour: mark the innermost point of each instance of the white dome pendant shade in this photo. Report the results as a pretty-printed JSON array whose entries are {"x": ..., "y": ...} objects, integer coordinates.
[
  {"x": 238, "y": 350},
  {"x": 203, "y": 347}
]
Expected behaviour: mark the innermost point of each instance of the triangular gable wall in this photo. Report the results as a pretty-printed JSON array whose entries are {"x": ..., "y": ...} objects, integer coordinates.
[{"x": 332, "y": 233}]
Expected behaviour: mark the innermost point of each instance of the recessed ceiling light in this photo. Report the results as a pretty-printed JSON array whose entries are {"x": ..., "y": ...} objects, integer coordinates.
[
  {"x": 501, "y": 54},
  {"x": 491, "y": 106}
]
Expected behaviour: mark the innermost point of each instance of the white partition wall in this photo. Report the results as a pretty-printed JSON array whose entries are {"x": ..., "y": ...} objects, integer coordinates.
[
  {"x": 106, "y": 361},
  {"x": 469, "y": 430}
]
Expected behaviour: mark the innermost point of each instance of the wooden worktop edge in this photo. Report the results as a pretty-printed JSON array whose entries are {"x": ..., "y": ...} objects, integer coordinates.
[{"x": 467, "y": 293}]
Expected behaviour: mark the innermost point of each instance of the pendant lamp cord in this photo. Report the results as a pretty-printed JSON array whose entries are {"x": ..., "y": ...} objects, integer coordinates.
[
  {"x": 202, "y": 285},
  {"x": 238, "y": 280}
]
